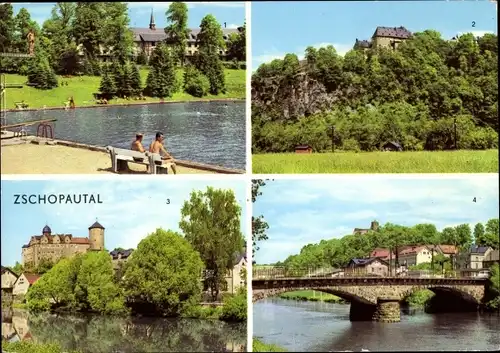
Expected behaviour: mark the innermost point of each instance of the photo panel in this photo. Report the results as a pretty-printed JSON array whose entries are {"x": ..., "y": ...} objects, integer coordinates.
[
  {"x": 109, "y": 265},
  {"x": 376, "y": 263},
  {"x": 123, "y": 88},
  {"x": 374, "y": 87}
]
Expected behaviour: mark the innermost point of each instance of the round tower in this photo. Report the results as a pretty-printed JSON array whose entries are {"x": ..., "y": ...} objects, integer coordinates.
[
  {"x": 374, "y": 226},
  {"x": 96, "y": 236}
]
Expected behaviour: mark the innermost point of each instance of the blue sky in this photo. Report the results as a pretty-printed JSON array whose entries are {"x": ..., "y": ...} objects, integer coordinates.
[
  {"x": 290, "y": 27},
  {"x": 232, "y": 13},
  {"x": 301, "y": 212},
  {"x": 130, "y": 209}
]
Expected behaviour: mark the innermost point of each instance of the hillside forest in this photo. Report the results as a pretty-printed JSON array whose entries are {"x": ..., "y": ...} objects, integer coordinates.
[
  {"x": 337, "y": 252},
  {"x": 421, "y": 95}
]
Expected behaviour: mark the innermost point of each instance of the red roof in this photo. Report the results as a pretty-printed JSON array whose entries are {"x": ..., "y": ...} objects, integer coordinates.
[
  {"x": 448, "y": 249},
  {"x": 412, "y": 250},
  {"x": 32, "y": 278},
  {"x": 76, "y": 240},
  {"x": 383, "y": 253}
]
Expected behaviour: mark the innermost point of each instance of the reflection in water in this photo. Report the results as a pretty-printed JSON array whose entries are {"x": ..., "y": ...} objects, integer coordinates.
[
  {"x": 91, "y": 333},
  {"x": 215, "y": 136},
  {"x": 314, "y": 326}
]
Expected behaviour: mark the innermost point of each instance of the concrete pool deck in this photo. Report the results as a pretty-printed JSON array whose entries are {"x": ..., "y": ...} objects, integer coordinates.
[{"x": 31, "y": 155}]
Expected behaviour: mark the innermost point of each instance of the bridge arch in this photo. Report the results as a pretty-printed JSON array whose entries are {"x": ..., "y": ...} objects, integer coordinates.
[{"x": 345, "y": 293}]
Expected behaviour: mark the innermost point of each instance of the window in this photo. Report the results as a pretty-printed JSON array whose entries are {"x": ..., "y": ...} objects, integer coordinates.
[
  {"x": 476, "y": 265},
  {"x": 153, "y": 44}
]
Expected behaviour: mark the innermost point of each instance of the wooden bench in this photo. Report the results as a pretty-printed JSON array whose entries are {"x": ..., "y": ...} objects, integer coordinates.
[{"x": 120, "y": 157}]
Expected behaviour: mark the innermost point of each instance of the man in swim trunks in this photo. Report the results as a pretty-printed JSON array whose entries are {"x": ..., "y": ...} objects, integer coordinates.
[
  {"x": 157, "y": 147},
  {"x": 137, "y": 144}
]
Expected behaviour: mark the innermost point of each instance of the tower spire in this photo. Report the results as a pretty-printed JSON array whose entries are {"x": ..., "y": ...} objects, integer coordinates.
[{"x": 152, "y": 25}]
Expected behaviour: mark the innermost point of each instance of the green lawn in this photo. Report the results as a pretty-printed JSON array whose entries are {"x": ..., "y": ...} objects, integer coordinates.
[
  {"x": 378, "y": 162},
  {"x": 82, "y": 89}
]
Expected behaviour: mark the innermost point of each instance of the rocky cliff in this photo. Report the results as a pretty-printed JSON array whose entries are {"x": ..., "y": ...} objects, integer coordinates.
[{"x": 299, "y": 96}]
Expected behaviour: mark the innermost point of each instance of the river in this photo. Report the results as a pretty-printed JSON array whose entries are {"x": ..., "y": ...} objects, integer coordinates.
[
  {"x": 206, "y": 132},
  {"x": 321, "y": 327},
  {"x": 92, "y": 333}
]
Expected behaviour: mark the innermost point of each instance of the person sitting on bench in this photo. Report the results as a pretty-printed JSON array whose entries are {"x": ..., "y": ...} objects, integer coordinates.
[
  {"x": 157, "y": 147},
  {"x": 137, "y": 146}
]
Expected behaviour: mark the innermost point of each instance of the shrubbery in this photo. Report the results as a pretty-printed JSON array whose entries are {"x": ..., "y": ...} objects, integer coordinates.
[{"x": 195, "y": 83}]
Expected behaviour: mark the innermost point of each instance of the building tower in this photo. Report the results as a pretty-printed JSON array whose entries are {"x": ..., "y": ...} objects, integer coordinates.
[
  {"x": 96, "y": 236},
  {"x": 46, "y": 230},
  {"x": 374, "y": 226},
  {"x": 152, "y": 25}
]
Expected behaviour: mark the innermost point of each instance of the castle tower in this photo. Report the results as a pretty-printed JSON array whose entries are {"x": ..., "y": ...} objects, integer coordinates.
[
  {"x": 46, "y": 230},
  {"x": 96, "y": 236},
  {"x": 152, "y": 25},
  {"x": 374, "y": 226}
]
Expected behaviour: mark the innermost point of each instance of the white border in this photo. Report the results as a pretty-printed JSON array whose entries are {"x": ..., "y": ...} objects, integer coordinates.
[
  {"x": 248, "y": 82},
  {"x": 248, "y": 175}
]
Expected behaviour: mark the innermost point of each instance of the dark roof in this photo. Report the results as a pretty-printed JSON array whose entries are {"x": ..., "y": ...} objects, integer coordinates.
[
  {"x": 394, "y": 143},
  {"x": 478, "y": 249},
  {"x": 25, "y": 246},
  {"x": 46, "y": 229},
  {"x": 124, "y": 253},
  {"x": 96, "y": 225},
  {"x": 366, "y": 261},
  {"x": 302, "y": 147},
  {"x": 239, "y": 256},
  {"x": 363, "y": 43},
  {"x": 158, "y": 35},
  {"x": 392, "y": 32},
  {"x": 6, "y": 269}
]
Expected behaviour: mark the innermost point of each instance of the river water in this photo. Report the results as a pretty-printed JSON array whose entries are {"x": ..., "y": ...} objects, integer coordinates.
[
  {"x": 206, "y": 132},
  {"x": 315, "y": 327},
  {"x": 92, "y": 334}
]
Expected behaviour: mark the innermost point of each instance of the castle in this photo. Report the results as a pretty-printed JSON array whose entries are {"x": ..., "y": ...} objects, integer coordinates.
[
  {"x": 388, "y": 37},
  {"x": 373, "y": 228},
  {"x": 53, "y": 247}
]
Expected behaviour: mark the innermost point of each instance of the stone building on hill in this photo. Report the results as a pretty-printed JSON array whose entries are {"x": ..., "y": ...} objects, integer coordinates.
[
  {"x": 373, "y": 227},
  {"x": 146, "y": 39},
  {"x": 388, "y": 37},
  {"x": 52, "y": 247}
]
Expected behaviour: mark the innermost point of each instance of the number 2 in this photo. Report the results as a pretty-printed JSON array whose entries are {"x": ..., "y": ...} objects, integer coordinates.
[{"x": 473, "y": 23}]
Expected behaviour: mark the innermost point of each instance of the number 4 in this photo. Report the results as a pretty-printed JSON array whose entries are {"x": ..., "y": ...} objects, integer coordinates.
[{"x": 474, "y": 199}]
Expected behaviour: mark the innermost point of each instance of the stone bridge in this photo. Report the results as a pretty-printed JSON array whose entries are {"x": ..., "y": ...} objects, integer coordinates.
[{"x": 378, "y": 298}]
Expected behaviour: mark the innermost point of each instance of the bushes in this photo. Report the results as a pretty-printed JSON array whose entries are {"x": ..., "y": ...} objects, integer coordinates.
[
  {"x": 195, "y": 83},
  {"x": 235, "y": 307},
  {"x": 32, "y": 347}
]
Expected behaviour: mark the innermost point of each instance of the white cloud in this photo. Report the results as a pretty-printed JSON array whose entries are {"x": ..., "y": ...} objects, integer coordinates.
[
  {"x": 476, "y": 33},
  {"x": 129, "y": 211}
]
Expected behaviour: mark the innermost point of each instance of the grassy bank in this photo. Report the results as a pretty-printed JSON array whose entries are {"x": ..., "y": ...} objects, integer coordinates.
[
  {"x": 464, "y": 161},
  {"x": 313, "y": 296},
  {"x": 259, "y": 346},
  {"x": 32, "y": 347},
  {"x": 82, "y": 89}
]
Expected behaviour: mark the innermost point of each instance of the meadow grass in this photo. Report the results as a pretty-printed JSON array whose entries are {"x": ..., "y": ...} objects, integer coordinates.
[
  {"x": 259, "y": 346},
  {"x": 82, "y": 89},
  {"x": 462, "y": 161}
]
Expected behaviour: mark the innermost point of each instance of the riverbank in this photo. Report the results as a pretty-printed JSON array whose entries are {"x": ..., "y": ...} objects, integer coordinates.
[
  {"x": 259, "y": 346},
  {"x": 66, "y": 157},
  {"x": 462, "y": 161},
  {"x": 82, "y": 88},
  {"x": 312, "y": 296}
]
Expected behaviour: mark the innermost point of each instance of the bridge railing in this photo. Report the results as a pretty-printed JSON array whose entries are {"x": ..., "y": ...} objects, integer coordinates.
[{"x": 282, "y": 272}]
